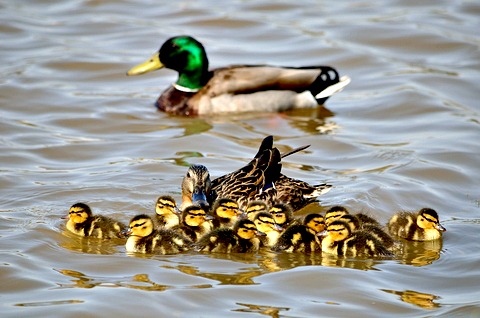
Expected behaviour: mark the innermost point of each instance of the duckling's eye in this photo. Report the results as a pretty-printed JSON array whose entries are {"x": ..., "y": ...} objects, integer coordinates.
[{"x": 188, "y": 174}]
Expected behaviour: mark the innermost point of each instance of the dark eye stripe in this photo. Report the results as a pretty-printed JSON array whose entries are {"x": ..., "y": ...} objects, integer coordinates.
[{"x": 139, "y": 224}]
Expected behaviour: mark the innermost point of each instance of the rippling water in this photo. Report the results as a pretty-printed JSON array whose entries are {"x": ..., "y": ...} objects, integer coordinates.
[{"x": 403, "y": 135}]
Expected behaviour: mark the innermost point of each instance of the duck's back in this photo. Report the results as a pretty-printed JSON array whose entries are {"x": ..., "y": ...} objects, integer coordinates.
[
  {"x": 361, "y": 243},
  {"x": 105, "y": 227}
]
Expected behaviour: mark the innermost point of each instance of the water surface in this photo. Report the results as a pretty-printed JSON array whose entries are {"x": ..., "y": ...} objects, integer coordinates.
[{"x": 402, "y": 136}]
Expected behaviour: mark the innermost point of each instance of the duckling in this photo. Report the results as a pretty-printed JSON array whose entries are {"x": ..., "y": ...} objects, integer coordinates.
[
  {"x": 195, "y": 223},
  {"x": 241, "y": 239},
  {"x": 225, "y": 213},
  {"x": 282, "y": 214},
  {"x": 82, "y": 222},
  {"x": 240, "y": 88},
  {"x": 371, "y": 227},
  {"x": 254, "y": 207},
  {"x": 144, "y": 238},
  {"x": 334, "y": 213},
  {"x": 302, "y": 237},
  {"x": 422, "y": 226},
  {"x": 266, "y": 224},
  {"x": 341, "y": 241},
  {"x": 166, "y": 212}
]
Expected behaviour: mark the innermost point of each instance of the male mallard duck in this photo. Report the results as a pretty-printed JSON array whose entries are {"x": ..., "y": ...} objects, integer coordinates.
[
  {"x": 195, "y": 223},
  {"x": 225, "y": 213},
  {"x": 166, "y": 212},
  {"x": 82, "y": 222},
  {"x": 422, "y": 226},
  {"x": 144, "y": 238},
  {"x": 266, "y": 224},
  {"x": 302, "y": 237},
  {"x": 341, "y": 241},
  {"x": 241, "y": 88},
  {"x": 255, "y": 207},
  {"x": 282, "y": 214},
  {"x": 241, "y": 239}
]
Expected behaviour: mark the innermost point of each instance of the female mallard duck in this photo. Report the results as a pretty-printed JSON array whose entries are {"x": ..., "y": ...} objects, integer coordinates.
[
  {"x": 266, "y": 224},
  {"x": 269, "y": 184},
  {"x": 196, "y": 187},
  {"x": 422, "y": 226},
  {"x": 255, "y": 207},
  {"x": 282, "y": 214},
  {"x": 82, "y": 222},
  {"x": 243, "y": 88},
  {"x": 144, "y": 238},
  {"x": 225, "y": 213},
  {"x": 341, "y": 241},
  {"x": 302, "y": 237},
  {"x": 241, "y": 239},
  {"x": 166, "y": 212},
  {"x": 195, "y": 223}
]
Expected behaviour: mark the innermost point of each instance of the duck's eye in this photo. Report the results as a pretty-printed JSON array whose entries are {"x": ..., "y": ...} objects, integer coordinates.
[{"x": 188, "y": 175}]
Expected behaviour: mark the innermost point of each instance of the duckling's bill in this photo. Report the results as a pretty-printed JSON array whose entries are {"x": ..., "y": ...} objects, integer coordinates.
[{"x": 152, "y": 64}]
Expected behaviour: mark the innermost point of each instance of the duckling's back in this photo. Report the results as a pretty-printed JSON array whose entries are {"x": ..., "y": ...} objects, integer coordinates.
[
  {"x": 297, "y": 238},
  {"x": 362, "y": 243}
]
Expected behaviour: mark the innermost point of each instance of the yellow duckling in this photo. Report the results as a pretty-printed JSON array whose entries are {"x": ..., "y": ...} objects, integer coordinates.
[
  {"x": 195, "y": 223},
  {"x": 334, "y": 213},
  {"x": 302, "y": 237},
  {"x": 82, "y": 222},
  {"x": 341, "y": 241},
  {"x": 241, "y": 239},
  {"x": 166, "y": 212},
  {"x": 370, "y": 227},
  {"x": 144, "y": 238},
  {"x": 422, "y": 226},
  {"x": 199, "y": 91},
  {"x": 266, "y": 224},
  {"x": 282, "y": 214},
  {"x": 225, "y": 213},
  {"x": 254, "y": 207}
]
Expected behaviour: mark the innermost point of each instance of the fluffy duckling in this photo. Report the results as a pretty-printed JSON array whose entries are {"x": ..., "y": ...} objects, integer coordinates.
[
  {"x": 254, "y": 207},
  {"x": 266, "y": 224},
  {"x": 341, "y": 241},
  {"x": 422, "y": 226},
  {"x": 334, "y": 213},
  {"x": 241, "y": 239},
  {"x": 225, "y": 213},
  {"x": 144, "y": 238},
  {"x": 82, "y": 222},
  {"x": 372, "y": 227},
  {"x": 195, "y": 223},
  {"x": 282, "y": 214},
  {"x": 166, "y": 212},
  {"x": 302, "y": 237},
  {"x": 240, "y": 88}
]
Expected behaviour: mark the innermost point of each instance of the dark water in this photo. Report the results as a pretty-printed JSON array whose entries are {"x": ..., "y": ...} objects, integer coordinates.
[{"x": 402, "y": 136}]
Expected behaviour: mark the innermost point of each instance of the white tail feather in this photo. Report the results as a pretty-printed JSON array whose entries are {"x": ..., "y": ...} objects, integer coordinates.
[{"x": 335, "y": 88}]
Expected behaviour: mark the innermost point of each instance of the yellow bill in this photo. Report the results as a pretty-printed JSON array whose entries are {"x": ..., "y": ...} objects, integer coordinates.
[{"x": 149, "y": 65}]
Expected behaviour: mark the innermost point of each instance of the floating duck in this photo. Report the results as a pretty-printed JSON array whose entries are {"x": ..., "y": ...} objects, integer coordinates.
[
  {"x": 233, "y": 89},
  {"x": 166, "y": 212},
  {"x": 266, "y": 224},
  {"x": 302, "y": 237},
  {"x": 144, "y": 238},
  {"x": 82, "y": 222},
  {"x": 195, "y": 223},
  {"x": 341, "y": 241},
  {"x": 421, "y": 226},
  {"x": 225, "y": 213},
  {"x": 241, "y": 239}
]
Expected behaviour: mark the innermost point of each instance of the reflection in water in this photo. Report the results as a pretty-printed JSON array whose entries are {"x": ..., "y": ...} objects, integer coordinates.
[
  {"x": 90, "y": 245},
  {"x": 264, "y": 310},
  {"x": 420, "y": 299},
  {"x": 138, "y": 281},
  {"x": 419, "y": 253},
  {"x": 243, "y": 277}
]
